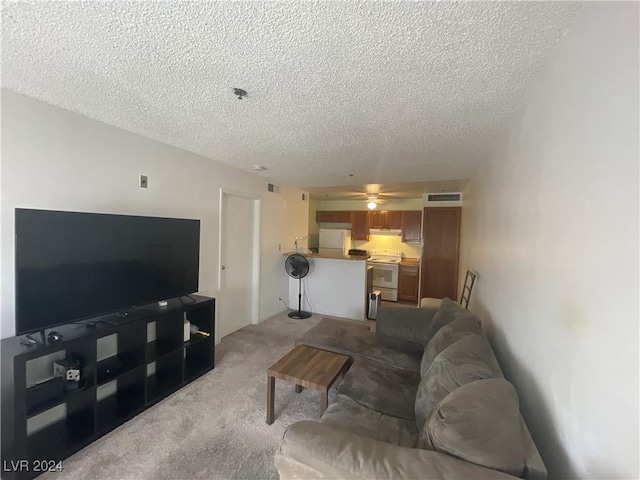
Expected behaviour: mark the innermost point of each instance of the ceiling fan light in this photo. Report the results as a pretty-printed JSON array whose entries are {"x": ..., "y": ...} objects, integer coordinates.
[{"x": 371, "y": 205}]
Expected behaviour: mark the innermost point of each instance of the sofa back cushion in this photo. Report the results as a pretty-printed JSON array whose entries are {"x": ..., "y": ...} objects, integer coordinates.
[
  {"x": 447, "y": 312},
  {"x": 480, "y": 422},
  {"x": 467, "y": 360},
  {"x": 416, "y": 325},
  {"x": 448, "y": 335}
]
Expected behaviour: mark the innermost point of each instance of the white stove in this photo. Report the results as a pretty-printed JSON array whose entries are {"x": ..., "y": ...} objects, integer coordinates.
[
  {"x": 385, "y": 264},
  {"x": 384, "y": 260},
  {"x": 385, "y": 256}
]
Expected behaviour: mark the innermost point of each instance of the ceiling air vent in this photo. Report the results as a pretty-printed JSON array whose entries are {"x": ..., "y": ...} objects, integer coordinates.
[
  {"x": 440, "y": 198},
  {"x": 273, "y": 188}
]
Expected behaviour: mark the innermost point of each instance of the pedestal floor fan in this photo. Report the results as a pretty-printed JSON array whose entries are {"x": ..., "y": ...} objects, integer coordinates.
[{"x": 297, "y": 266}]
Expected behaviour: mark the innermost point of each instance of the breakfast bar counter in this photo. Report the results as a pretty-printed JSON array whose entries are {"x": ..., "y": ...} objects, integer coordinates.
[
  {"x": 335, "y": 285},
  {"x": 332, "y": 257}
]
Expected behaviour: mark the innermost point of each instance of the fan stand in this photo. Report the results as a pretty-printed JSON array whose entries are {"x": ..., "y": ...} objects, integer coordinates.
[{"x": 300, "y": 314}]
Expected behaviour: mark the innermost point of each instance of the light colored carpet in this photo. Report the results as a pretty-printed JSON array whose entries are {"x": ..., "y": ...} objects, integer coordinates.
[{"x": 213, "y": 428}]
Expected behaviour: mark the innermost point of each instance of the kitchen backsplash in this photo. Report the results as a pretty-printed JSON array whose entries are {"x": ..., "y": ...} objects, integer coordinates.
[{"x": 375, "y": 242}]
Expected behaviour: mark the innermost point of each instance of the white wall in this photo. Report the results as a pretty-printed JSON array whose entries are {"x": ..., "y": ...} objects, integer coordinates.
[
  {"x": 284, "y": 217},
  {"x": 55, "y": 159},
  {"x": 550, "y": 222},
  {"x": 314, "y": 229}
]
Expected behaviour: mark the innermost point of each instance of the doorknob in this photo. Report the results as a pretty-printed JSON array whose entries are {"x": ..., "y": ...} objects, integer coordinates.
[{"x": 223, "y": 267}]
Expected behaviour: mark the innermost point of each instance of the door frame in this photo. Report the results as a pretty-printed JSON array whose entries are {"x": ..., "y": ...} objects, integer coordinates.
[{"x": 256, "y": 209}]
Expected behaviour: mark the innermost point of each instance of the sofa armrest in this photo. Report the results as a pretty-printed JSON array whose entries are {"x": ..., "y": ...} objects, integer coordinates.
[
  {"x": 410, "y": 324},
  {"x": 315, "y": 450}
]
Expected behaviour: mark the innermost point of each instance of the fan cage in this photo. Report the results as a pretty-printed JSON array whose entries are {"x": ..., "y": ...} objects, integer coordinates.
[{"x": 297, "y": 266}]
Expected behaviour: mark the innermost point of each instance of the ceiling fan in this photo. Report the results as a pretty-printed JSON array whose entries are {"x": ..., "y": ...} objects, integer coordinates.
[
  {"x": 372, "y": 194},
  {"x": 372, "y": 200}
]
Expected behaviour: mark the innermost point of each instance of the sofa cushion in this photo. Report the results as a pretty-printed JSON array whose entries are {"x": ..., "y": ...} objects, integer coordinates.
[
  {"x": 449, "y": 334},
  {"x": 448, "y": 312},
  {"x": 382, "y": 388},
  {"x": 353, "y": 339},
  {"x": 417, "y": 324},
  {"x": 480, "y": 422},
  {"x": 347, "y": 414},
  {"x": 410, "y": 324},
  {"x": 467, "y": 360}
]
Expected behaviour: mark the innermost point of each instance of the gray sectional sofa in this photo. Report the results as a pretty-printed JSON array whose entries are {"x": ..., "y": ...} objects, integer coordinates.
[{"x": 424, "y": 398}]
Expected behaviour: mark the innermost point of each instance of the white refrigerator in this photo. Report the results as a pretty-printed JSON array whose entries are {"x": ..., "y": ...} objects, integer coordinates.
[{"x": 335, "y": 242}]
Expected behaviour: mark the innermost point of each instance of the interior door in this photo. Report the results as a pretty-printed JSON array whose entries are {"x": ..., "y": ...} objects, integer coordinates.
[
  {"x": 236, "y": 279},
  {"x": 440, "y": 250}
]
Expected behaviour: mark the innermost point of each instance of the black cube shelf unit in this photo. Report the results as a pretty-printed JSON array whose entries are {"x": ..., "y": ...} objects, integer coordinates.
[{"x": 125, "y": 369}]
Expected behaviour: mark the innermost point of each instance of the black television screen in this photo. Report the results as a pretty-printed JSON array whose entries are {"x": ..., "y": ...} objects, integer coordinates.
[{"x": 71, "y": 266}]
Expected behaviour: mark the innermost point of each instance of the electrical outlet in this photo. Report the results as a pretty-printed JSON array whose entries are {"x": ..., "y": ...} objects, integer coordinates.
[{"x": 143, "y": 181}]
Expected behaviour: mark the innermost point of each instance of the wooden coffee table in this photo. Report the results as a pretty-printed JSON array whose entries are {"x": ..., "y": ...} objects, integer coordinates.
[{"x": 306, "y": 367}]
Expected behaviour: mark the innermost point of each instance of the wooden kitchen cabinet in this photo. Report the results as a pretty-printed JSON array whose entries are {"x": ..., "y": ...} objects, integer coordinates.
[
  {"x": 408, "y": 282},
  {"x": 386, "y": 219},
  {"x": 411, "y": 226},
  {"x": 338, "y": 216},
  {"x": 377, "y": 219},
  {"x": 440, "y": 250},
  {"x": 394, "y": 220},
  {"x": 360, "y": 225}
]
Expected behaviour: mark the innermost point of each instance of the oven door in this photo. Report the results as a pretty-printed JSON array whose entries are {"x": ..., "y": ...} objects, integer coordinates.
[
  {"x": 388, "y": 294},
  {"x": 385, "y": 275}
]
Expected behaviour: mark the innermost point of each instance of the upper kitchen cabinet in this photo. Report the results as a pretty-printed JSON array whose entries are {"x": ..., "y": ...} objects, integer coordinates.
[
  {"x": 394, "y": 220},
  {"x": 335, "y": 216},
  {"x": 360, "y": 225},
  {"x": 386, "y": 219},
  {"x": 377, "y": 219},
  {"x": 411, "y": 226}
]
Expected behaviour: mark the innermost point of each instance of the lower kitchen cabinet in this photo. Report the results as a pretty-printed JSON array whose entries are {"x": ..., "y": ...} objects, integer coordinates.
[{"x": 408, "y": 282}]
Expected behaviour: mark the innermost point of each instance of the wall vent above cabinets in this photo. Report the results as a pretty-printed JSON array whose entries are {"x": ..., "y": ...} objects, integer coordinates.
[{"x": 442, "y": 199}]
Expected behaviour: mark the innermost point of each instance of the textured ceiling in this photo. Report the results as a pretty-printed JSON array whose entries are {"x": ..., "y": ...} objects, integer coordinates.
[{"x": 389, "y": 92}]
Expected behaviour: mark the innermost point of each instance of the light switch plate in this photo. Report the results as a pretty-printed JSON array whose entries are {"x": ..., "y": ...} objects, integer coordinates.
[{"x": 143, "y": 181}]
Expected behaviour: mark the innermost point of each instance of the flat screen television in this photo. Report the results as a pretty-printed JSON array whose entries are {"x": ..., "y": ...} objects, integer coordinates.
[{"x": 71, "y": 266}]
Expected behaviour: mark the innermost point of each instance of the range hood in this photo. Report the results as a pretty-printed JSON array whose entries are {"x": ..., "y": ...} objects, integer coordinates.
[{"x": 389, "y": 232}]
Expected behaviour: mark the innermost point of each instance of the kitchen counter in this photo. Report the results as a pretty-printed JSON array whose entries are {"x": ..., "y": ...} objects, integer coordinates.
[
  {"x": 410, "y": 262},
  {"x": 333, "y": 257},
  {"x": 335, "y": 285}
]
